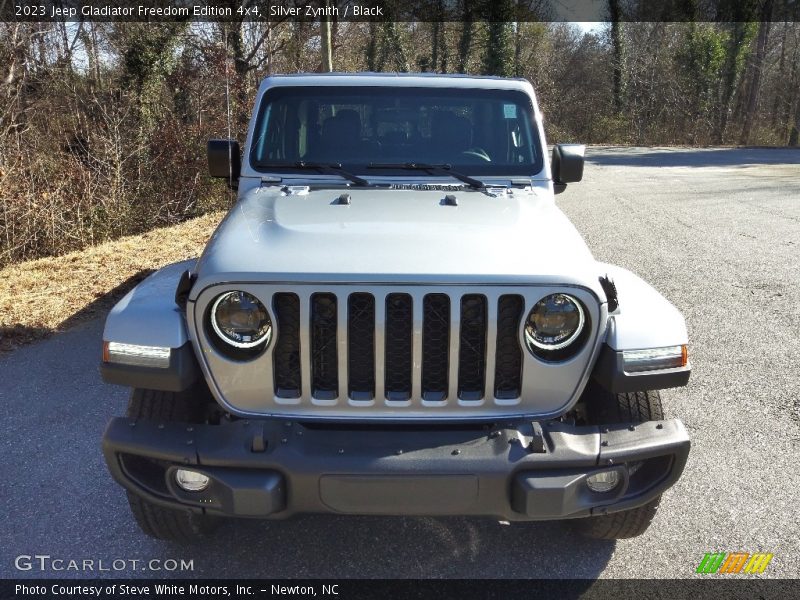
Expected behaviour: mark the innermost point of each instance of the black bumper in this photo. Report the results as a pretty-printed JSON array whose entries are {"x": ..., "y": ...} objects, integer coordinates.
[{"x": 519, "y": 472}]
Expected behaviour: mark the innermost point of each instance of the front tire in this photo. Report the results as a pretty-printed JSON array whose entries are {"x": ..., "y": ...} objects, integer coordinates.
[
  {"x": 606, "y": 408},
  {"x": 170, "y": 524}
]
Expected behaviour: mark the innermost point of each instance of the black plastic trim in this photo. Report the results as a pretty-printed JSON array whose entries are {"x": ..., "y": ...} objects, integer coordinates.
[
  {"x": 181, "y": 373},
  {"x": 184, "y": 288},
  {"x": 610, "y": 290},
  {"x": 490, "y": 472},
  {"x": 609, "y": 373}
]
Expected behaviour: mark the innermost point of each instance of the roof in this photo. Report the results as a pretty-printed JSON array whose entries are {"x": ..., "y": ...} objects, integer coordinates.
[{"x": 398, "y": 80}]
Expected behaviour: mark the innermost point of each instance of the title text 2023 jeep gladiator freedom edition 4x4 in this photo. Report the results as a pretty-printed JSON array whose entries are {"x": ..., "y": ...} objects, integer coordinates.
[{"x": 395, "y": 319}]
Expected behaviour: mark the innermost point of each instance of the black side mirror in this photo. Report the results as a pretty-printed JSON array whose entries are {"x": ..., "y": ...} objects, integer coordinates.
[
  {"x": 567, "y": 165},
  {"x": 224, "y": 160}
]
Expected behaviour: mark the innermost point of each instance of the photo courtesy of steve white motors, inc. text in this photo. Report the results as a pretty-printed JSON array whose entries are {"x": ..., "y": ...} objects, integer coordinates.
[{"x": 170, "y": 589}]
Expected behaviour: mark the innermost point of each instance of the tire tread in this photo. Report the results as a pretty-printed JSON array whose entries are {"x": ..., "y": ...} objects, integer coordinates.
[
  {"x": 182, "y": 526},
  {"x": 607, "y": 408}
]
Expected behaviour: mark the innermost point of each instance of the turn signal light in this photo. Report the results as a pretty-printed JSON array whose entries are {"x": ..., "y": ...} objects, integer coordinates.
[{"x": 655, "y": 359}]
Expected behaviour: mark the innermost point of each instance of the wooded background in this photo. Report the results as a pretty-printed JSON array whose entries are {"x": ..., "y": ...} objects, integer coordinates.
[{"x": 103, "y": 126}]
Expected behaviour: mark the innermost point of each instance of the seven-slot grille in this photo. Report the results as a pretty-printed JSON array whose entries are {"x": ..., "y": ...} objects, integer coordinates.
[{"x": 369, "y": 344}]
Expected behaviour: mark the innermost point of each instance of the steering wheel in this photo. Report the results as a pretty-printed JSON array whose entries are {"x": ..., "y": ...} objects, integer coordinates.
[{"x": 478, "y": 153}]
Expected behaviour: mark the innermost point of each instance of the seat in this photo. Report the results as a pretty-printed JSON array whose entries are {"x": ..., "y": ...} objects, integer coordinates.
[{"x": 340, "y": 140}]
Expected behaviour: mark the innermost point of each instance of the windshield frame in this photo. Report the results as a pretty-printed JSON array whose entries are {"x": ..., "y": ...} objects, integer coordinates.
[{"x": 489, "y": 172}]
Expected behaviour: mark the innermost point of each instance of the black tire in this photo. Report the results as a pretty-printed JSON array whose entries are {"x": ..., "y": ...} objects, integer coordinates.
[
  {"x": 169, "y": 524},
  {"x": 175, "y": 525},
  {"x": 619, "y": 526},
  {"x": 605, "y": 408},
  {"x": 156, "y": 405}
]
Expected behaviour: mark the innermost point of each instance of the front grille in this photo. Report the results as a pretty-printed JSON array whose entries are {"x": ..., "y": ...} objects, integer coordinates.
[
  {"x": 286, "y": 358},
  {"x": 472, "y": 347},
  {"x": 361, "y": 346},
  {"x": 399, "y": 359},
  {"x": 434, "y": 347},
  {"x": 508, "y": 354},
  {"x": 324, "y": 368}
]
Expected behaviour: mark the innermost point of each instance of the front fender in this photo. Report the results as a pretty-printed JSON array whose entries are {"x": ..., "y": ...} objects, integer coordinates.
[
  {"x": 149, "y": 316},
  {"x": 643, "y": 320}
]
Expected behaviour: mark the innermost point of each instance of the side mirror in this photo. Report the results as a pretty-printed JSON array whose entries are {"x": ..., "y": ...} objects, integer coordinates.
[
  {"x": 567, "y": 165},
  {"x": 224, "y": 160}
]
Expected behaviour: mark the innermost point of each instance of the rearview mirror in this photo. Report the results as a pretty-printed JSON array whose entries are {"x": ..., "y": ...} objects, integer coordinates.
[
  {"x": 224, "y": 160},
  {"x": 567, "y": 165}
]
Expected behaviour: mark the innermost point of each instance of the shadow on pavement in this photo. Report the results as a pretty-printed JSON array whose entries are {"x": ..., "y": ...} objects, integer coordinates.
[
  {"x": 393, "y": 547},
  {"x": 698, "y": 157},
  {"x": 13, "y": 336}
]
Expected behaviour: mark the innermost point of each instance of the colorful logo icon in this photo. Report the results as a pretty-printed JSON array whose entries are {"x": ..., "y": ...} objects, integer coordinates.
[{"x": 734, "y": 562}]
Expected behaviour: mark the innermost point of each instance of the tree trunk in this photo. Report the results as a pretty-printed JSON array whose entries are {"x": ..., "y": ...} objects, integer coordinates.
[
  {"x": 394, "y": 45},
  {"x": 445, "y": 51},
  {"x": 616, "y": 47},
  {"x": 93, "y": 51},
  {"x": 780, "y": 92},
  {"x": 793, "y": 101},
  {"x": 240, "y": 67},
  {"x": 730, "y": 76},
  {"x": 12, "y": 114},
  {"x": 372, "y": 47},
  {"x": 327, "y": 45},
  {"x": 795, "y": 131},
  {"x": 465, "y": 43},
  {"x": 755, "y": 82},
  {"x": 435, "y": 30}
]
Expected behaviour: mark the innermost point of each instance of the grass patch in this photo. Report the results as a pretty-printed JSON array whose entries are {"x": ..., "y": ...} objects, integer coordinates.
[{"x": 46, "y": 295}]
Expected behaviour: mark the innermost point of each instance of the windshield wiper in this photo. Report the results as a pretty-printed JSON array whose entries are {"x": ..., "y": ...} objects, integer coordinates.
[
  {"x": 443, "y": 169},
  {"x": 330, "y": 168}
]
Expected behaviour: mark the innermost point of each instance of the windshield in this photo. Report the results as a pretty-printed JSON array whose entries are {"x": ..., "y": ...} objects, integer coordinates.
[{"x": 475, "y": 131}]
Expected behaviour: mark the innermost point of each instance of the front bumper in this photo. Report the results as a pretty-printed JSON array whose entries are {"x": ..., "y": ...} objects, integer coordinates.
[{"x": 515, "y": 472}]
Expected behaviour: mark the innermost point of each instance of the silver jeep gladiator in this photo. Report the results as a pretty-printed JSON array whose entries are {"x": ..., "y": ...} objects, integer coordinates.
[{"x": 395, "y": 319}]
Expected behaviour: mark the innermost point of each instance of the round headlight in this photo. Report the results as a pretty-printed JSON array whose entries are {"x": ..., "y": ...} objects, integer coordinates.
[
  {"x": 239, "y": 319},
  {"x": 554, "y": 323}
]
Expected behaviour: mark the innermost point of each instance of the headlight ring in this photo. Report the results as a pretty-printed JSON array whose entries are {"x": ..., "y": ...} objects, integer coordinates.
[
  {"x": 240, "y": 320},
  {"x": 556, "y": 327}
]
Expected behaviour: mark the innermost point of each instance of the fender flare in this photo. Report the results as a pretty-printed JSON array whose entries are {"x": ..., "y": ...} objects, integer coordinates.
[
  {"x": 644, "y": 319},
  {"x": 149, "y": 316}
]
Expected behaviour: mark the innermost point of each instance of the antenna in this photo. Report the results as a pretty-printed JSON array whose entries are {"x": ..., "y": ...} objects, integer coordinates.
[{"x": 228, "y": 107}]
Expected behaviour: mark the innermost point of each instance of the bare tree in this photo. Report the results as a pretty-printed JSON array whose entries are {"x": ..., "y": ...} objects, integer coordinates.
[
  {"x": 326, "y": 46},
  {"x": 615, "y": 15},
  {"x": 757, "y": 67}
]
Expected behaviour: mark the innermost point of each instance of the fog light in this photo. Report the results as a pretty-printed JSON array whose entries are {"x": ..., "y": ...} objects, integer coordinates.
[
  {"x": 602, "y": 482},
  {"x": 191, "y": 481}
]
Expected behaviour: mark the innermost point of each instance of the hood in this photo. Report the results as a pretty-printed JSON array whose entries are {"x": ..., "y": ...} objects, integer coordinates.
[{"x": 394, "y": 236}]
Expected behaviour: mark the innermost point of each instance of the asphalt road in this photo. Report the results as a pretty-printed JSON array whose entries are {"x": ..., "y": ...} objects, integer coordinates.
[{"x": 716, "y": 231}]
